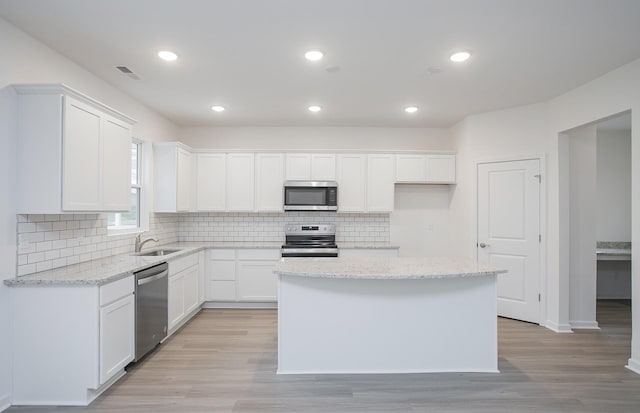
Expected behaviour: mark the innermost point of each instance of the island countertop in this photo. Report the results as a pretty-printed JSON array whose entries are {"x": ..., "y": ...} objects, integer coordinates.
[{"x": 392, "y": 268}]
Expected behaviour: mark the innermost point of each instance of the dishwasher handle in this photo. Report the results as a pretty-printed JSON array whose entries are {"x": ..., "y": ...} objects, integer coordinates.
[{"x": 152, "y": 278}]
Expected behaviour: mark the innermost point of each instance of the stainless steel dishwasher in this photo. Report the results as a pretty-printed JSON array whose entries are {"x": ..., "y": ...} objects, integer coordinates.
[{"x": 152, "y": 287}]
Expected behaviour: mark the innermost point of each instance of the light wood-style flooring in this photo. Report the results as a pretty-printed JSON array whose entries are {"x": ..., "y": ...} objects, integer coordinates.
[{"x": 225, "y": 361}]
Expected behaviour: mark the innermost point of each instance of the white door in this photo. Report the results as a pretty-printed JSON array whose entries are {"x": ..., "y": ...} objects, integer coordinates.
[
  {"x": 509, "y": 231},
  {"x": 183, "y": 181},
  {"x": 352, "y": 172},
  {"x": 116, "y": 158},
  {"x": 269, "y": 182},
  {"x": 211, "y": 181},
  {"x": 240, "y": 181},
  {"x": 380, "y": 183}
]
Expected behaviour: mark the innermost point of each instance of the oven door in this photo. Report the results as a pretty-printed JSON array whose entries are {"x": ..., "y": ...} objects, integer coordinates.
[{"x": 310, "y": 196}]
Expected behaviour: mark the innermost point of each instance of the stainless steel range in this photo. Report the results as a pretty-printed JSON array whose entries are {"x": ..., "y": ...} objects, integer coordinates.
[{"x": 316, "y": 240}]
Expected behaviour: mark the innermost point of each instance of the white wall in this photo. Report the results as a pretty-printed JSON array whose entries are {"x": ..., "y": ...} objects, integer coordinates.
[
  {"x": 317, "y": 138},
  {"x": 420, "y": 220},
  {"x": 613, "y": 221},
  {"x": 508, "y": 133},
  {"x": 582, "y": 227},
  {"x": 8, "y": 145},
  {"x": 25, "y": 60}
]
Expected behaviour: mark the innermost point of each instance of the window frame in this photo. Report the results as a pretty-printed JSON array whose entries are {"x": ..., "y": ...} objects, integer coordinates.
[{"x": 143, "y": 219}]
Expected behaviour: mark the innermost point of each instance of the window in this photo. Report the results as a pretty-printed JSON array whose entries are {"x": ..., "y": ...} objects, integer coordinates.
[{"x": 121, "y": 222}]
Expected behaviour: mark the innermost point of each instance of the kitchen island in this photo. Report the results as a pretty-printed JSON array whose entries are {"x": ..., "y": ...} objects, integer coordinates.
[{"x": 386, "y": 315}]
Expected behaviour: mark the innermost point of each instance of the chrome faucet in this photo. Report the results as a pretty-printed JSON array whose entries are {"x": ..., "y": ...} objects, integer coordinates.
[{"x": 140, "y": 243}]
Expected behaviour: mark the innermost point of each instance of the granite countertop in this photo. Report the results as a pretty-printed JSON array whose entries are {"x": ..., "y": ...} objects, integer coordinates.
[
  {"x": 612, "y": 249},
  {"x": 388, "y": 268},
  {"x": 105, "y": 270},
  {"x": 367, "y": 245}
]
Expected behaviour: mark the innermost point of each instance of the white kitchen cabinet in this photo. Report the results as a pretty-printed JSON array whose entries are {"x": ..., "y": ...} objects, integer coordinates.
[
  {"x": 256, "y": 281},
  {"x": 352, "y": 182},
  {"x": 117, "y": 342},
  {"x": 426, "y": 168},
  {"x": 211, "y": 182},
  {"x": 173, "y": 177},
  {"x": 116, "y": 170},
  {"x": 201, "y": 278},
  {"x": 380, "y": 182},
  {"x": 298, "y": 166},
  {"x": 240, "y": 181},
  {"x": 74, "y": 153},
  {"x": 411, "y": 168},
  {"x": 269, "y": 182},
  {"x": 70, "y": 353},
  {"x": 175, "y": 300},
  {"x": 311, "y": 167},
  {"x": 242, "y": 275},
  {"x": 323, "y": 167},
  {"x": 183, "y": 290},
  {"x": 441, "y": 169}
]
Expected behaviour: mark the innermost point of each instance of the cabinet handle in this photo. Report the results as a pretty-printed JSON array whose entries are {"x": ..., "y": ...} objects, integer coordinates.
[{"x": 483, "y": 245}]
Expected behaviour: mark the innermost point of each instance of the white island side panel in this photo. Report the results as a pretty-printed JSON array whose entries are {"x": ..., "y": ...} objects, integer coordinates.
[{"x": 387, "y": 325}]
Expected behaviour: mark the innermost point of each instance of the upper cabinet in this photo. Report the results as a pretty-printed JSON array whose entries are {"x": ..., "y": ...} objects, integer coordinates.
[
  {"x": 426, "y": 168},
  {"x": 352, "y": 173},
  {"x": 380, "y": 182},
  {"x": 269, "y": 182},
  {"x": 211, "y": 182},
  {"x": 74, "y": 153},
  {"x": 173, "y": 178},
  {"x": 240, "y": 181},
  {"x": 311, "y": 167}
]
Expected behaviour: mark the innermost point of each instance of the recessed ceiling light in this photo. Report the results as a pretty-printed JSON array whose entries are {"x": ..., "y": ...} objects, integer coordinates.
[
  {"x": 460, "y": 57},
  {"x": 313, "y": 55},
  {"x": 217, "y": 108},
  {"x": 314, "y": 108},
  {"x": 411, "y": 109},
  {"x": 167, "y": 55}
]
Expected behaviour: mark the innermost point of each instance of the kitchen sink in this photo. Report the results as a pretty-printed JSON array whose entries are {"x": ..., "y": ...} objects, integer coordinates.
[{"x": 157, "y": 253}]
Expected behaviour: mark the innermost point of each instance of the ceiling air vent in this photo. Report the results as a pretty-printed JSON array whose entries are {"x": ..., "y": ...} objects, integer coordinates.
[{"x": 128, "y": 72}]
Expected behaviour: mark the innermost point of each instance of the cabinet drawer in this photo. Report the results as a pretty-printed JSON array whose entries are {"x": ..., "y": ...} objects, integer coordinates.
[
  {"x": 115, "y": 290},
  {"x": 219, "y": 254},
  {"x": 259, "y": 254},
  {"x": 181, "y": 264}
]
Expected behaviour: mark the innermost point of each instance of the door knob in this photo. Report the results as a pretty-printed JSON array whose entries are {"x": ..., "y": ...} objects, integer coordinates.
[{"x": 483, "y": 245}]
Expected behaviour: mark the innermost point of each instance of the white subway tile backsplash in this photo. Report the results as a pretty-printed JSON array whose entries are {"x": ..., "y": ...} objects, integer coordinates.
[{"x": 52, "y": 241}]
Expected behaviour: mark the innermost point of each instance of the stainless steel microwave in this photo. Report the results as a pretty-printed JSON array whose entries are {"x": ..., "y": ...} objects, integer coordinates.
[{"x": 310, "y": 196}]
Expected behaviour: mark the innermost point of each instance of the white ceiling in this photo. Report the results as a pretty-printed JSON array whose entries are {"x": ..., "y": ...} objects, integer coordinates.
[{"x": 248, "y": 54}]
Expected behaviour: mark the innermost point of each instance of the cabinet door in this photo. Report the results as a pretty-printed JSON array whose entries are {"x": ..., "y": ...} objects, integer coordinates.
[
  {"x": 298, "y": 167},
  {"x": 183, "y": 181},
  {"x": 323, "y": 167},
  {"x": 191, "y": 291},
  {"x": 240, "y": 181},
  {"x": 441, "y": 169},
  {"x": 211, "y": 181},
  {"x": 351, "y": 182},
  {"x": 380, "y": 183},
  {"x": 117, "y": 336},
  {"x": 256, "y": 281},
  {"x": 176, "y": 299},
  {"x": 411, "y": 168},
  {"x": 116, "y": 171},
  {"x": 269, "y": 182},
  {"x": 201, "y": 277},
  {"x": 81, "y": 170}
]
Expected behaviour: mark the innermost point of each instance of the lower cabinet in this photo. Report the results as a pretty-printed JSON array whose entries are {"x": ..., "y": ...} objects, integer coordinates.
[
  {"x": 242, "y": 275},
  {"x": 70, "y": 342},
  {"x": 117, "y": 341},
  {"x": 184, "y": 289}
]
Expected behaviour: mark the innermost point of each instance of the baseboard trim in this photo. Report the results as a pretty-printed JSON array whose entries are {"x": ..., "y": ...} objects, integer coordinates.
[
  {"x": 585, "y": 325},
  {"x": 5, "y": 402},
  {"x": 633, "y": 365},
  {"x": 393, "y": 371},
  {"x": 558, "y": 328},
  {"x": 232, "y": 304}
]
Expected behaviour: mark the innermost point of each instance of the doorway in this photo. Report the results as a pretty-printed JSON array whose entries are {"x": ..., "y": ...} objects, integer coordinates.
[{"x": 597, "y": 198}]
